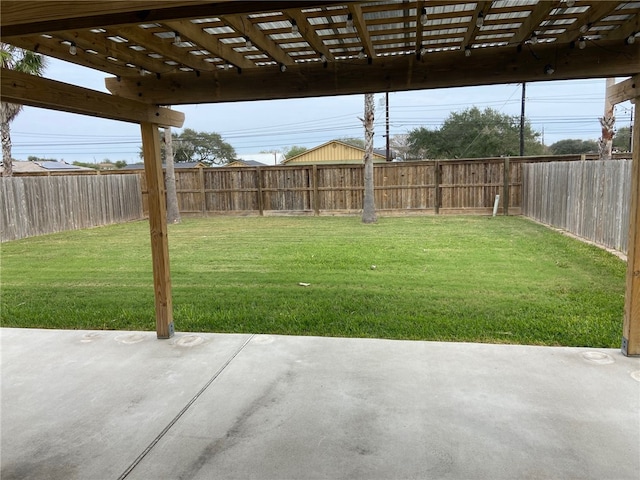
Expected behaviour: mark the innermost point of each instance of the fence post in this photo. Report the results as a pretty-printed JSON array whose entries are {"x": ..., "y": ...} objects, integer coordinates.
[
  {"x": 438, "y": 191},
  {"x": 203, "y": 194},
  {"x": 506, "y": 177},
  {"x": 316, "y": 204},
  {"x": 259, "y": 187}
]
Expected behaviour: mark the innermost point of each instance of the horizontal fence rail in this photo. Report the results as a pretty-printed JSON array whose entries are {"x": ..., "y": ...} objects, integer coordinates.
[
  {"x": 461, "y": 186},
  {"x": 411, "y": 187},
  {"x": 425, "y": 187},
  {"x": 588, "y": 199},
  {"x": 47, "y": 204}
]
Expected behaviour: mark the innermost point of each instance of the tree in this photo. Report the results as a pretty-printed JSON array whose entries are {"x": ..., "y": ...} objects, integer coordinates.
[
  {"x": 93, "y": 166},
  {"x": 622, "y": 140},
  {"x": 24, "y": 61},
  {"x": 33, "y": 158},
  {"x": 576, "y": 146},
  {"x": 368, "y": 203},
  {"x": 173, "y": 212},
  {"x": 400, "y": 145},
  {"x": 472, "y": 134},
  {"x": 192, "y": 146},
  {"x": 293, "y": 151}
]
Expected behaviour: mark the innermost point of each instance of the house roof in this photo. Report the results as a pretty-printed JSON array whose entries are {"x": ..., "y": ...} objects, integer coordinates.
[
  {"x": 177, "y": 165},
  {"x": 326, "y": 144},
  {"x": 44, "y": 166},
  {"x": 269, "y": 158},
  {"x": 246, "y": 163},
  {"x": 60, "y": 166}
]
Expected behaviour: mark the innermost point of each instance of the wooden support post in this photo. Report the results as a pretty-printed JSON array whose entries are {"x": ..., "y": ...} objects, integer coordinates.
[
  {"x": 316, "y": 200},
  {"x": 505, "y": 186},
  {"x": 438, "y": 192},
  {"x": 631, "y": 326},
  {"x": 158, "y": 228},
  {"x": 203, "y": 193},
  {"x": 259, "y": 193}
]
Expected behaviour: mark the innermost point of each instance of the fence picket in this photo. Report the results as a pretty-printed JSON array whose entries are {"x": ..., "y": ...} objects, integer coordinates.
[
  {"x": 589, "y": 199},
  {"x": 47, "y": 204}
]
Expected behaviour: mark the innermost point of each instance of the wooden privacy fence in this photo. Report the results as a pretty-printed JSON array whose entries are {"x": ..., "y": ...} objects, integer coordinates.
[
  {"x": 46, "y": 204},
  {"x": 437, "y": 187},
  {"x": 589, "y": 199}
]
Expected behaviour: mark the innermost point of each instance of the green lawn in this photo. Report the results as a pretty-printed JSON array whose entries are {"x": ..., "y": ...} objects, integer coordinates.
[{"x": 501, "y": 280}]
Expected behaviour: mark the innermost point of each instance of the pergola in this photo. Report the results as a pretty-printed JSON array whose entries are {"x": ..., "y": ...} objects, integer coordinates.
[{"x": 185, "y": 52}]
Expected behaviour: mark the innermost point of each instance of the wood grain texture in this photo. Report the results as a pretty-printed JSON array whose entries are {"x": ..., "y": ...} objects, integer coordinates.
[
  {"x": 631, "y": 326},
  {"x": 25, "y": 89},
  {"x": 156, "y": 198},
  {"x": 438, "y": 70}
]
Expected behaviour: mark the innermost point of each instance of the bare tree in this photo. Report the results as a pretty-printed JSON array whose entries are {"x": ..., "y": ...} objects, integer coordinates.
[
  {"x": 368, "y": 206},
  {"x": 400, "y": 145},
  {"x": 173, "y": 213}
]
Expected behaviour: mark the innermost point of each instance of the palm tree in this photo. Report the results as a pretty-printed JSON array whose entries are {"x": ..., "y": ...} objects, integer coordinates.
[
  {"x": 368, "y": 202},
  {"x": 15, "y": 58}
]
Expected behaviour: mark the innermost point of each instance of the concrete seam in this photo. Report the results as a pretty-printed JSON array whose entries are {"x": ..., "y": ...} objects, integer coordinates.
[{"x": 166, "y": 429}]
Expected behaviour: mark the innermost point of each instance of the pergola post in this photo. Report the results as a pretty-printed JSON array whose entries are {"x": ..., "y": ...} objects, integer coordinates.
[
  {"x": 631, "y": 326},
  {"x": 158, "y": 228}
]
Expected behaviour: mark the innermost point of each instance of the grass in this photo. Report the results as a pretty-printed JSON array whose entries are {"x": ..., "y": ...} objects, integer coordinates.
[{"x": 499, "y": 280}]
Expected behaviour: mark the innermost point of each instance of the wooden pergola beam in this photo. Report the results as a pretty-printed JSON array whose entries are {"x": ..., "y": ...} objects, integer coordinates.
[
  {"x": 244, "y": 27},
  {"x": 361, "y": 27},
  {"x": 198, "y": 35},
  {"x": 419, "y": 27},
  {"x": 30, "y": 90},
  {"x": 25, "y": 89},
  {"x": 623, "y": 91},
  {"x": 309, "y": 34},
  {"x": 532, "y": 22},
  {"x": 592, "y": 15},
  {"x": 42, "y": 16},
  {"x": 167, "y": 49},
  {"x": 385, "y": 74},
  {"x": 50, "y": 46}
]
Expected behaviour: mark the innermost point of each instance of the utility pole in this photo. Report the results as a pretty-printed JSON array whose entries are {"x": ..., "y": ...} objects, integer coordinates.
[
  {"x": 387, "y": 109},
  {"x": 522, "y": 103}
]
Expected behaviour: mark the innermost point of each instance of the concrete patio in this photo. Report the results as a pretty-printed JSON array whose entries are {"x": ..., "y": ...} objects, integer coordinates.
[{"x": 108, "y": 405}]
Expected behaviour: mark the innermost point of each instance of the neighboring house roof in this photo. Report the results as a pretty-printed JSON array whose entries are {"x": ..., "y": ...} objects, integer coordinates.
[
  {"x": 57, "y": 166},
  {"x": 26, "y": 167},
  {"x": 177, "y": 165},
  {"x": 45, "y": 166},
  {"x": 333, "y": 152},
  {"x": 264, "y": 158},
  {"x": 245, "y": 163},
  {"x": 383, "y": 152}
]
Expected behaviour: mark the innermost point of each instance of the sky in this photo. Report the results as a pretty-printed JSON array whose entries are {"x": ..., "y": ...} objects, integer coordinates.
[{"x": 557, "y": 110}]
